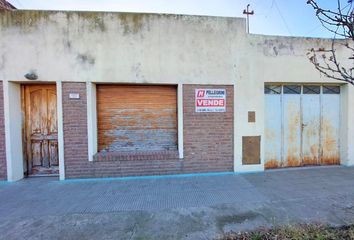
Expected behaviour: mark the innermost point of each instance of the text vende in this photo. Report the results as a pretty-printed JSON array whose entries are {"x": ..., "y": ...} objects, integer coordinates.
[{"x": 210, "y": 103}]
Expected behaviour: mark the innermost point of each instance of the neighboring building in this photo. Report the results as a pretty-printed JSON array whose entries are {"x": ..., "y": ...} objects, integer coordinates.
[
  {"x": 6, "y": 5},
  {"x": 127, "y": 94}
]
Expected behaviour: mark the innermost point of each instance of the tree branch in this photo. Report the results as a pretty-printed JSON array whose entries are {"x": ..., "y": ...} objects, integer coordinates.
[{"x": 341, "y": 24}]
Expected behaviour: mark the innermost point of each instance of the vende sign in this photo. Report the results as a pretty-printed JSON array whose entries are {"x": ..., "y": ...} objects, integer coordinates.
[{"x": 210, "y": 100}]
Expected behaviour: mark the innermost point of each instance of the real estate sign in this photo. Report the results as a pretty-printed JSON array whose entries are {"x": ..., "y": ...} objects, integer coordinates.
[{"x": 210, "y": 100}]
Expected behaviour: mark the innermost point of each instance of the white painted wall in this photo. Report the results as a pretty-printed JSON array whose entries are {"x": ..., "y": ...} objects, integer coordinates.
[
  {"x": 91, "y": 119},
  {"x": 180, "y": 120},
  {"x": 60, "y": 130},
  {"x": 13, "y": 131},
  {"x": 349, "y": 128},
  {"x": 159, "y": 48}
]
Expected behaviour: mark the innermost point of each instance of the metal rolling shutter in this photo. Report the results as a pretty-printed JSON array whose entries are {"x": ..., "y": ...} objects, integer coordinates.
[{"x": 136, "y": 118}]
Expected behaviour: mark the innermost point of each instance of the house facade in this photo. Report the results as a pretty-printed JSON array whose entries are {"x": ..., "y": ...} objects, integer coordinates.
[{"x": 99, "y": 94}]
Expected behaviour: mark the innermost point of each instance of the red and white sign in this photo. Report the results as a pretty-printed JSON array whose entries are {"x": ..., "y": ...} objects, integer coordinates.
[{"x": 210, "y": 100}]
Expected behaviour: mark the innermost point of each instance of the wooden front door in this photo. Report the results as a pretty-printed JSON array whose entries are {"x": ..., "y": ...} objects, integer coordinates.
[{"x": 41, "y": 131}]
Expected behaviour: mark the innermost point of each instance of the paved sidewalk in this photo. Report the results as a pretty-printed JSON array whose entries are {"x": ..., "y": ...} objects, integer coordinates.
[{"x": 174, "y": 208}]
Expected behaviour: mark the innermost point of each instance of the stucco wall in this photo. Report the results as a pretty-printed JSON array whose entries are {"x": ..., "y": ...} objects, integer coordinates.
[
  {"x": 3, "y": 169},
  {"x": 280, "y": 60},
  {"x": 159, "y": 48},
  {"x": 118, "y": 47}
]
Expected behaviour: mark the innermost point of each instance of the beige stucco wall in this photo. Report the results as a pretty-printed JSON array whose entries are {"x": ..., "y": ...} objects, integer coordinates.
[
  {"x": 267, "y": 59},
  {"x": 160, "y": 48},
  {"x": 119, "y": 47}
]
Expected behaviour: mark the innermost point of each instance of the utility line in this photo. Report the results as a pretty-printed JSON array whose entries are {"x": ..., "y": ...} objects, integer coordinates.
[
  {"x": 19, "y": 3},
  {"x": 269, "y": 9},
  {"x": 282, "y": 17},
  {"x": 313, "y": 29}
]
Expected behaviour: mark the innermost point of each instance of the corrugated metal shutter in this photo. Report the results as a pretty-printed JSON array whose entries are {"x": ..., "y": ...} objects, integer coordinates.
[{"x": 136, "y": 118}]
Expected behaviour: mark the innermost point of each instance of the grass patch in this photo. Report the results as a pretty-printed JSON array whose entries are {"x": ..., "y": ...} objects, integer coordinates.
[{"x": 298, "y": 232}]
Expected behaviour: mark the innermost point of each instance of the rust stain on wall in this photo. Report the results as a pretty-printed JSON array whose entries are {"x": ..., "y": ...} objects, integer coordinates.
[
  {"x": 270, "y": 164},
  {"x": 292, "y": 158},
  {"x": 330, "y": 149},
  {"x": 293, "y": 161},
  {"x": 312, "y": 159},
  {"x": 328, "y": 160}
]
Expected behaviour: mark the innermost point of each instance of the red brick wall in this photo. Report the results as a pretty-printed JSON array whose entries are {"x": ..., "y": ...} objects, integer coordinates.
[
  {"x": 208, "y": 137},
  {"x": 3, "y": 171},
  {"x": 208, "y": 141},
  {"x": 75, "y": 131}
]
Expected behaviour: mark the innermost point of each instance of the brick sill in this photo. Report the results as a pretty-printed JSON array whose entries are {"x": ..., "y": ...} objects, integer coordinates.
[{"x": 139, "y": 155}]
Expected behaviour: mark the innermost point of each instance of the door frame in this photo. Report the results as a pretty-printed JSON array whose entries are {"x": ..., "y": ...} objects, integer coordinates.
[{"x": 14, "y": 118}]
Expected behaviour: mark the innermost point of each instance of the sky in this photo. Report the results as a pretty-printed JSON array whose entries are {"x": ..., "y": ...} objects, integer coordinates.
[{"x": 272, "y": 17}]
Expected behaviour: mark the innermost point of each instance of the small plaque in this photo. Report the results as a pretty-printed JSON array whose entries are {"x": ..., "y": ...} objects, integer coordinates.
[
  {"x": 74, "y": 96},
  {"x": 251, "y": 117}
]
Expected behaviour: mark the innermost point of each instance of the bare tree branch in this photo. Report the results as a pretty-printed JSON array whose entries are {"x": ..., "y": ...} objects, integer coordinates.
[{"x": 341, "y": 23}]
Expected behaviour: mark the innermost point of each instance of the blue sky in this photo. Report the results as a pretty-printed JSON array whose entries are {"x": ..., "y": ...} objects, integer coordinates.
[{"x": 272, "y": 17}]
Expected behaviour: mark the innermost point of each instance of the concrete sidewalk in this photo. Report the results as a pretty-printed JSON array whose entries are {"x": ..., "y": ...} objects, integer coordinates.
[{"x": 174, "y": 208}]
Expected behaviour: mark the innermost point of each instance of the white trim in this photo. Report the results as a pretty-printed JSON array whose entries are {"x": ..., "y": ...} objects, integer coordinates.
[
  {"x": 346, "y": 129},
  {"x": 180, "y": 119},
  {"x": 13, "y": 130},
  {"x": 91, "y": 119},
  {"x": 60, "y": 131},
  {"x": 250, "y": 168}
]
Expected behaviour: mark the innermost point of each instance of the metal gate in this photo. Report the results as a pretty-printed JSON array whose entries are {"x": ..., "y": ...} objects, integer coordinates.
[{"x": 301, "y": 125}]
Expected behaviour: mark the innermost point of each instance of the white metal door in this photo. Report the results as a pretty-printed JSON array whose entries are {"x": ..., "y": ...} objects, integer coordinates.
[
  {"x": 311, "y": 124},
  {"x": 273, "y": 121},
  {"x": 291, "y": 126},
  {"x": 301, "y": 125},
  {"x": 330, "y": 125}
]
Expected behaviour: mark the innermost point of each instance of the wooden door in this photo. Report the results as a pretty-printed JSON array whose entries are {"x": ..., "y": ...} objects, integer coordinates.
[{"x": 41, "y": 131}]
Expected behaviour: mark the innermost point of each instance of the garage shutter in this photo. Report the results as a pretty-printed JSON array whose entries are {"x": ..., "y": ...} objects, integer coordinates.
[{"x": 136, "y": 118}]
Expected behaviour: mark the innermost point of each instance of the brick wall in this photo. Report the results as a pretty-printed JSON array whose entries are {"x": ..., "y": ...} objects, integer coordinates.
[
  {"x": 208, "y": 137},
  {"x": 3, "y": 171},
  {"x": 208, "y": 141},
  {"x": 75, "y": 131}
]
